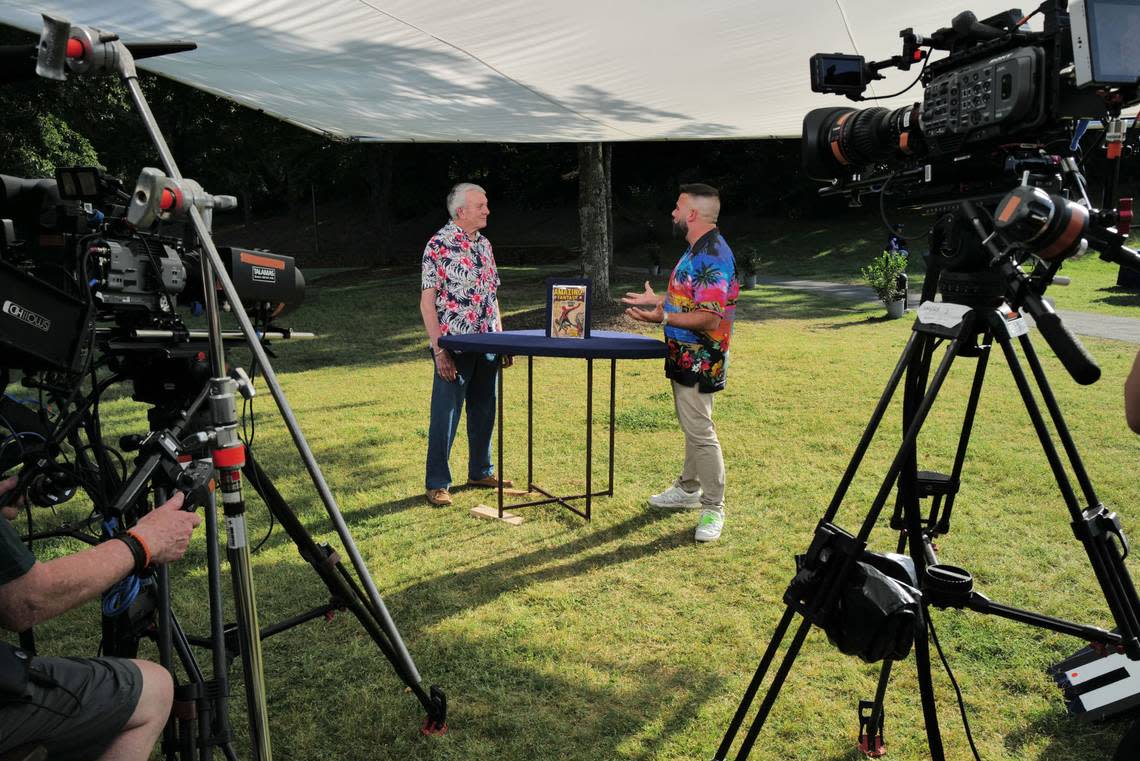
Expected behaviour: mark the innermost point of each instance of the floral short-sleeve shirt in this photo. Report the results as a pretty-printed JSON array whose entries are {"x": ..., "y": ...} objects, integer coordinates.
[
  {"x": 704, "y": 280},
  {"x": 461, "y": 267}
]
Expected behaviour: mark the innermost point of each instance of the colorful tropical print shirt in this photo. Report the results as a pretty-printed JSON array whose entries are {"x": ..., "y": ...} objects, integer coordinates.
[
  {"x": 462, "y": 269},
  {"x": 704, "y": 280}
]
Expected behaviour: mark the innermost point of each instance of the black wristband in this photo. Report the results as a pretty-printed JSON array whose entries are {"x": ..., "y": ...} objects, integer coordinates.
[{"x": 138, "y": 552}]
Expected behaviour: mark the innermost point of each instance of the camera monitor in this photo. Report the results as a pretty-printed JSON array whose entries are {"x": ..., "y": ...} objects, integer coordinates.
[
  {"x": 838, "y": 73},
  {"x": 1105, "y": 34}
]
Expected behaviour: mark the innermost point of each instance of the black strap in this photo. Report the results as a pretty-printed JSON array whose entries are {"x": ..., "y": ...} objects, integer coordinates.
[{"x": 137, "y": 550}]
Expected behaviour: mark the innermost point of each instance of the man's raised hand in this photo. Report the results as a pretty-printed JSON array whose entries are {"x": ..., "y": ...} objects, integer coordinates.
[{"x": 646, "y": 300}]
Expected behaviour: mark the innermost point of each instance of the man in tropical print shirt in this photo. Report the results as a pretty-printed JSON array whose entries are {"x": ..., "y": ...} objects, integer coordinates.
[
  {"x": 697, "y": 312},
  {"x": 459, "y": 285}
]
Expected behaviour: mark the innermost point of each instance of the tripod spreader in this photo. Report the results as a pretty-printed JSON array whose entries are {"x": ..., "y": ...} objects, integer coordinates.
[{"x": 948, "y": 586}]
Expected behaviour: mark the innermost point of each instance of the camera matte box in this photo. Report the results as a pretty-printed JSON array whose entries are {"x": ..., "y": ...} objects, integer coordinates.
[
  {"x": 264, "y": 276},
  {"x": 41, "y": 327}
]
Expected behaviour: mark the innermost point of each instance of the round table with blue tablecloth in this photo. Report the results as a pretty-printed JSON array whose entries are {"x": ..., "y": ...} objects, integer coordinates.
[{"x": 601, "y": 344}]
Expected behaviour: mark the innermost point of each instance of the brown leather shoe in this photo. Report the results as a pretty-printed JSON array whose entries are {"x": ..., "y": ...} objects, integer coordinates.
[
  {"x": 492, "y": 482},
  {"x": 439, "y": 497}
]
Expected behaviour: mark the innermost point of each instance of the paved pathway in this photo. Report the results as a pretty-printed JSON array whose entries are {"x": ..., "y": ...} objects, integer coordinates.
[{"x": 1080, "y": 323}]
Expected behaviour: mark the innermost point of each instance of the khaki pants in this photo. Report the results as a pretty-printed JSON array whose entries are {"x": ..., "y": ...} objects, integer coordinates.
[{"x": 704, "y": 463}]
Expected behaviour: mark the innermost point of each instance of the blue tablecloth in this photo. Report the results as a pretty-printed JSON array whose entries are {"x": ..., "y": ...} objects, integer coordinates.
[{"x": 602, "y": 344}]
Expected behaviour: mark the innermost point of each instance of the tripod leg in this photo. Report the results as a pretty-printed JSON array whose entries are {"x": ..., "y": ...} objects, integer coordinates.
[
  {"x": 871, "y": 730},
  {"x": 1094, "y": 527},
  {"x": 754, "y": 685},
  {"x": 943, "y": 524},
  {"x": 912, "y": 345},
  {"x": 220, "y": 702},
  {"x": 1058, "y": 419},
  {"x": 774, "y": 690},
  {"x": 926, "y": 689},
  {"x": 165, "y": 628},
  {"x": 905, "y": 453},
  {"x": 344, "y": 589},
  {"x": 228, "y": 459}
]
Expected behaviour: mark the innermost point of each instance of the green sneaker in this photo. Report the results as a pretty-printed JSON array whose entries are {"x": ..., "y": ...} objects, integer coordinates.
[{"x": 709, "y": 526}]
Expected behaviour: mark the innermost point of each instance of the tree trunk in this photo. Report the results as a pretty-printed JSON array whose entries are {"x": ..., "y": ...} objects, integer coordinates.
[
  {"x": 595, "y": 216},
  {"x": 379, "y": 167}
]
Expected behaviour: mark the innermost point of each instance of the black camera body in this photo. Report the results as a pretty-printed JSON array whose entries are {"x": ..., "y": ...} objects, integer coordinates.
[
  {"x": 999, "y": 94},
  {"x": 73, "y": 264}
]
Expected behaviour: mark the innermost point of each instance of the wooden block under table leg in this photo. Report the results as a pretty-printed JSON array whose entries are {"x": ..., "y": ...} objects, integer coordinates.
[{"x": 492, "y": 513}]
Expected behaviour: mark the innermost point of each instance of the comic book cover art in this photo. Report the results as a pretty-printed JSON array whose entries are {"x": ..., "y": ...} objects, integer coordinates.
[{"x": 568, "y": 308}]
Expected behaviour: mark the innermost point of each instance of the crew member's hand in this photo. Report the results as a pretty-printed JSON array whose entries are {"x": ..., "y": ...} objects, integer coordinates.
[
  {"x": 657, "y": 314},
  {"x": 445, "y": 365},
  {"x": 506, "y": 359},
  {"x": 166, "y": 529},
  {"x": 646, "y": 299},
  {"x": 12, "y": 509}
]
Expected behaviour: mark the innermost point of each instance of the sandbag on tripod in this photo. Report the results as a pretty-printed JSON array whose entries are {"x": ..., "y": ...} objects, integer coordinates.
[{"x": 870, "y": 610}]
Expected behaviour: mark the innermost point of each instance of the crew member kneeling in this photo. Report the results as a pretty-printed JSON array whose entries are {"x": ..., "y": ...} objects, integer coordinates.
[{"x": 84, "y": 708}]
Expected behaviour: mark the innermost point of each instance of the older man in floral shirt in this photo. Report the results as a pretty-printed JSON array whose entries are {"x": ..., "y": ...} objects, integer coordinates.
[{"x": 459, "y": 295}]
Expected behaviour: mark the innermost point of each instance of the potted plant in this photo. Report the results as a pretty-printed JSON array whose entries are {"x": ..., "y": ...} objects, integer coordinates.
[
  {"x": 883, "y": 275},
  {"x": 653, "y": 254},
  {"x": 749, "y": 261}
]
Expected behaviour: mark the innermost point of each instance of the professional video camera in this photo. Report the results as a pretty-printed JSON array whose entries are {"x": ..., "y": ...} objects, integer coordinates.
[
  {"x": 92, "y": 281},
  {"x": 989, "y": 108},
  {"x": 88, "y": 265},
  {"x": 995, "y": 150},
  {"x": 995, "y": 147}
]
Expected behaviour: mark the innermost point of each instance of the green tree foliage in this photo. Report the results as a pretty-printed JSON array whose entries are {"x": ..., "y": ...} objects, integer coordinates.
[{"x": 47, "y": 142}]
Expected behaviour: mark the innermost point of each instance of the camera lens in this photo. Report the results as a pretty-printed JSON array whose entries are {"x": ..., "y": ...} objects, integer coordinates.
[{"x": 837, "y": 141}]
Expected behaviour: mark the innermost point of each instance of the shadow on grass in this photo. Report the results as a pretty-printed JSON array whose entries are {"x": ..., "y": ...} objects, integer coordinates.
[
  {"x": 452, "y": 593},
  {"x": 1068, "y": 738},
  {"x": 769, "y": 303},
  {"x": 501, "y": 707},
  {"x": 874, "y": 319},
  {"x": 1120, "y": 297},
  {"x": 634, "y": 715}
]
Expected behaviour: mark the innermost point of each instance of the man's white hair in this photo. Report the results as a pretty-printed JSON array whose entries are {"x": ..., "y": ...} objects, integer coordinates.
[{"x": 458, "y": 197}]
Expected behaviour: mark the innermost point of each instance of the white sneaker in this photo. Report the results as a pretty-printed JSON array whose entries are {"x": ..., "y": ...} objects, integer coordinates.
[
  {"x": 709, "y": 526},
  {"x": 676, "y": 497}
]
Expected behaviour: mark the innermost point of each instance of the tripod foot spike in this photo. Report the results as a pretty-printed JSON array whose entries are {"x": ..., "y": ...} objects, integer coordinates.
[
  {"x": 436, "y": 722},
  {"x": 871, "y": 742},
  {"x": 431, "y": 729}
]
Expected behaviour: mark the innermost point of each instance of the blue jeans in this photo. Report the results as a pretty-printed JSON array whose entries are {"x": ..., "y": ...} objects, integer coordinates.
[{"x": 475, "y": 383}]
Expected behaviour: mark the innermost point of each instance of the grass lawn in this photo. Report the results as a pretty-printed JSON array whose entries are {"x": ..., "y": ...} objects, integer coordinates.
[{"x": 622, "y": 638}]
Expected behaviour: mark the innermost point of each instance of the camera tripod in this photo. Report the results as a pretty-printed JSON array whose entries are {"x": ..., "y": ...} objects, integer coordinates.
[
  {"x": 200, "y": 712},
  {"x": 972, "y": 308},
  {"x": 84, "y": 51}
]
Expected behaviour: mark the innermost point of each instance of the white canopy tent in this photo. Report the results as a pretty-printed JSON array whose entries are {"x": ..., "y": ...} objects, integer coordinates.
[{"x": 516, "y": 70}]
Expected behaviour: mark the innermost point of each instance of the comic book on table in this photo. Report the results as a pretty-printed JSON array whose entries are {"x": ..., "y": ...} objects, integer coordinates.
[{"x": 568, "y": 307}]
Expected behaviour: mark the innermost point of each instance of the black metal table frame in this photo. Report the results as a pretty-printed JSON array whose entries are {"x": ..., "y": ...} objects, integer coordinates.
[{"x": 531, "y": 485}]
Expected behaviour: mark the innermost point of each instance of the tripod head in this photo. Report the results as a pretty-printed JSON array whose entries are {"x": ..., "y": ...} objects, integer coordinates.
[{"x": 979, "y": 253}]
